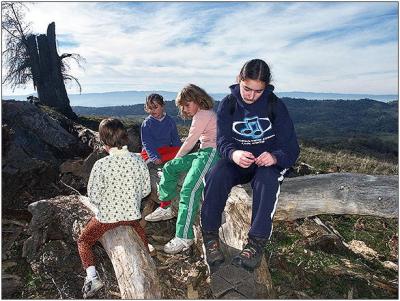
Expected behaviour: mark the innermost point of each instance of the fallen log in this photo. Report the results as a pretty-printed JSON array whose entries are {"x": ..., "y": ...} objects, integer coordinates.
[
  {"x": 66, "y": 215},
  {"x": 335, "y": 193},
  {"x": 134, "y": 268}
]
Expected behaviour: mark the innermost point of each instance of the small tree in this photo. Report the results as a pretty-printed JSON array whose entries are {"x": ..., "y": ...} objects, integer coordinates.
[{"x": 33, "y": 57}]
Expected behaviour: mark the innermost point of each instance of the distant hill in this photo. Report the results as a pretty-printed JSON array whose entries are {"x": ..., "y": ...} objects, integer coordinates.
[
  {"x": 120, "y": 98},
  {"x": 364, "y": 126},
  {"x": 338, "y": 96}
]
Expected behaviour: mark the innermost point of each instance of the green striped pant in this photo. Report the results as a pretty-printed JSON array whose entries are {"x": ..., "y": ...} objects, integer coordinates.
[{"x": 196, "y": 165}]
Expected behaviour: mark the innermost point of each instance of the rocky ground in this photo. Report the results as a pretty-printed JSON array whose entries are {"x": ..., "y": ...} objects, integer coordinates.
[{"x": 304, "y": 259}]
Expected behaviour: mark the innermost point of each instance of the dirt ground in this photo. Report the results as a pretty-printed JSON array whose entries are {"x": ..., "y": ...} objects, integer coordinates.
[{"x": 299, "y": 269}]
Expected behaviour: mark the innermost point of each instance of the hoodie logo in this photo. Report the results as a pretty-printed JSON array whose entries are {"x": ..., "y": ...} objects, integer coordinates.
[{"x": 252, "y": 127}]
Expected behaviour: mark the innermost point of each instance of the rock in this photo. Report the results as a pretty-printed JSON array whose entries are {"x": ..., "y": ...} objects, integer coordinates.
[
  {"x": 35, "y": 146},
  {"x": 359, "y": 247},
  {"x": 231, "y": 282},
  {"x": 310, "y": 229},
  {"x": 75, "y": 172},
  {"x": 135, "y": 142},
  {"x": 390, "y": 265},
  {"x": 10, "y": 284},
  {"x": 51, "y": 250},
  {"x": 393, "y": 244},
  {"x": 329, "y": 243}
]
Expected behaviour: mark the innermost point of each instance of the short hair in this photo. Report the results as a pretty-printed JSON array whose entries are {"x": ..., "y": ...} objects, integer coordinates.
[
  {"x": 152, "y": 99},
  {"x": 196, "y": 94},
  {"x": 113, "y": 133},
  {"x": 255, "y": 69}
]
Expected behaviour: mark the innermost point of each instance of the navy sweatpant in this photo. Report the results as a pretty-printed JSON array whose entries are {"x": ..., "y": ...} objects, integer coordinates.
[{"x": 219, "y": 182}]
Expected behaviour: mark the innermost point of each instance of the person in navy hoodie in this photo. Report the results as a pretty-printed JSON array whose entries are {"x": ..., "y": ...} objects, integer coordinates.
[{"x": 257, "y": 143}]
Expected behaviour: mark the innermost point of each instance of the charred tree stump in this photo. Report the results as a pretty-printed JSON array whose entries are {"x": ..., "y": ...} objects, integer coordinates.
[{"x": 46, "y": 72}]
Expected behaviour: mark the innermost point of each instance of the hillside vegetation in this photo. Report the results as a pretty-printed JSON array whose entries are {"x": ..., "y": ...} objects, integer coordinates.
[{"x": 363, "y": 127}]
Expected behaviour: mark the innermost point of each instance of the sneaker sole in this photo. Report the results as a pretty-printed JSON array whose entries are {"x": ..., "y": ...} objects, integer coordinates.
[
  {"x": 93, "y": 292},
  {"x": 158, "y": 220},
  {"x": 178, "y": 251}
]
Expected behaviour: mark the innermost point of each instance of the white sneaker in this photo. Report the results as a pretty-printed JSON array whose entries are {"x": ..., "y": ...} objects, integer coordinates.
[
  {"x": 91, "y": 286},
  {"x": 177, "y": 245},
  {"x": 160, "y": 214},
  {"x": 152, "y": 250}
]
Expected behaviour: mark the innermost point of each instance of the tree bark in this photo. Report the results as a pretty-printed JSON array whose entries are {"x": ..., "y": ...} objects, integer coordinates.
[
  {"x": 134, "y": 268},
  {"x": 339, "y": 193}
]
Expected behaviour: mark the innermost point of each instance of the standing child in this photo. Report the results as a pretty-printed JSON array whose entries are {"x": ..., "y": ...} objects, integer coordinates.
[
  {"x": 196, "y": 103},
  {"x": 159, "y": 134},
  {"x": 257, "y": 143},
  {"x": 116, "y": 187}
]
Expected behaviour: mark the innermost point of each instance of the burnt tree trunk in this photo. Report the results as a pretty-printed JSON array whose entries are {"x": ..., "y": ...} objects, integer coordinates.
[{"x": 46, "y": 71}]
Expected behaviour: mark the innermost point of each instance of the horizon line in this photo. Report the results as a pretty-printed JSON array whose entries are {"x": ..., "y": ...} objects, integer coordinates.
[{"x": 143, "y": 91}]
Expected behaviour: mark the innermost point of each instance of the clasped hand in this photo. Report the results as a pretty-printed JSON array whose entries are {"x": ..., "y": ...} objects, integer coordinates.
[{"x": 244, "y": 159}]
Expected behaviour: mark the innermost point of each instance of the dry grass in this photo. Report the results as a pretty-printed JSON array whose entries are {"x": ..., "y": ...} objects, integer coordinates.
[{"x": 325, "y": 161}]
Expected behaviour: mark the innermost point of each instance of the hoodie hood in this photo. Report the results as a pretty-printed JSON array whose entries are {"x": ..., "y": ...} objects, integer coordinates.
[{"x": 235, "y": 90}]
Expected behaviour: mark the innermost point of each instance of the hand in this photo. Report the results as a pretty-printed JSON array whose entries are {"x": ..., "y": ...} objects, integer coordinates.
[
  {"x": 157, "y": 162},
  {"x": 265, "y": 159},
  {"x": 242, "y": 158}
]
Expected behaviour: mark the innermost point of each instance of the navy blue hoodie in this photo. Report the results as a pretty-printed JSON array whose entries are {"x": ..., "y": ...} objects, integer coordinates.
[{"x": 250, "y": 129}]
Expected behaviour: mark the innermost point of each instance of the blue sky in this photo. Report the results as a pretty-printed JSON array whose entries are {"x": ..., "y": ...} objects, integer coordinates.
[{"x": 341, "y": 47}]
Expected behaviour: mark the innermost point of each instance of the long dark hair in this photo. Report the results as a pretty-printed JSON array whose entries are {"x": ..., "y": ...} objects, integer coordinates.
[{"x": 255, "y": 69}]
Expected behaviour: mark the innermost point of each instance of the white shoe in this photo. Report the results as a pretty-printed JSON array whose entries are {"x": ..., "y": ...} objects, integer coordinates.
[
  {"x": 91, "y": 286},
  {"x": 177, "y": 245},
  {"x": 152, "y": 250},
  {"x": 160, "y": 214}
]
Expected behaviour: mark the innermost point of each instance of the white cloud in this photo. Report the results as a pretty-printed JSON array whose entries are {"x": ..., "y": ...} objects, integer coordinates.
[{"x": 311, "y": 46}]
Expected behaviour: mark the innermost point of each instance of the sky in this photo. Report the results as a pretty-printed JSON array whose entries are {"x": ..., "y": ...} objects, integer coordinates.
[{"x": 336, "y": 47}]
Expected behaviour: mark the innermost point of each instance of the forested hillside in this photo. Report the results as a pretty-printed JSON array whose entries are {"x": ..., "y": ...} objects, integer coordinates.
[{"x": 361, "y": 126}]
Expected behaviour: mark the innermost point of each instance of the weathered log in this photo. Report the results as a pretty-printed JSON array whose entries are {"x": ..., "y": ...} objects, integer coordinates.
[
  {"x": 134, "y": 268},
  {"x": 339, "y": 193},
  {"x": 335, "y": 193}
]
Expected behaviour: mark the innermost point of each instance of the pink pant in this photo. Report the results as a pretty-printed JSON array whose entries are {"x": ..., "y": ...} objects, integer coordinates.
[{"x": 92, "y": 233}]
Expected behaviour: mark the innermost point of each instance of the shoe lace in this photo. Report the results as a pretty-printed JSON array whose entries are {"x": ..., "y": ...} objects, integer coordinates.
[
  {"x": 87, "y": 286},
  {"x": 213, "y": 246},
  {"x": 248, "y": 251}
]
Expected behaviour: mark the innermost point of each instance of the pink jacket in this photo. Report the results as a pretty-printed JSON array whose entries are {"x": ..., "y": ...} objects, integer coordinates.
[{"x": 203, "y": 128}]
